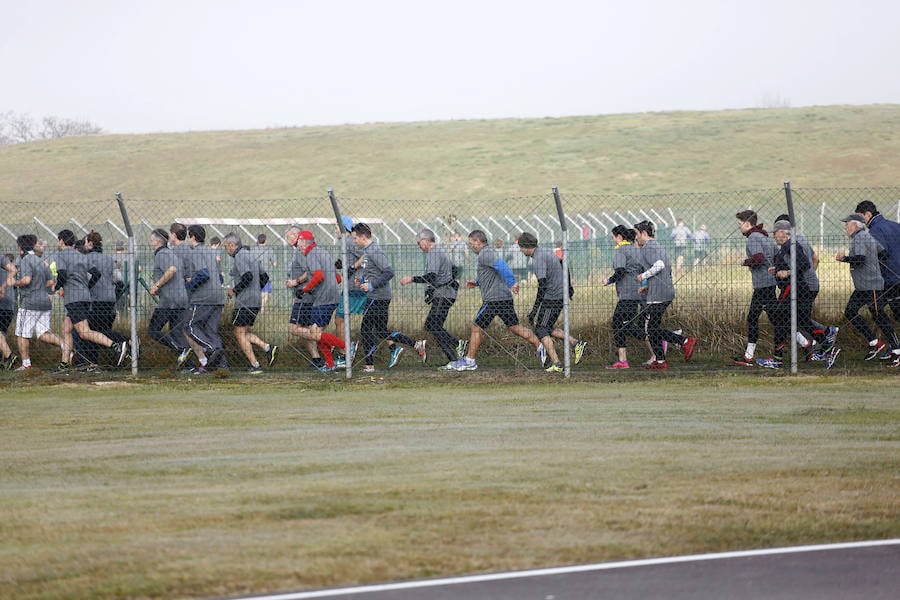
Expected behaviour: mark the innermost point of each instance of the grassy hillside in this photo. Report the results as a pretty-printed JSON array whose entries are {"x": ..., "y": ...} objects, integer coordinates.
[{"x": 467, "y": 161}]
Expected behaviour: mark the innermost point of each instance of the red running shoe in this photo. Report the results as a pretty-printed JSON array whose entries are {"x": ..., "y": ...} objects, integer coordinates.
[
  {"x": 688, "y": 348},
  {"x": 658, "y": 365}
]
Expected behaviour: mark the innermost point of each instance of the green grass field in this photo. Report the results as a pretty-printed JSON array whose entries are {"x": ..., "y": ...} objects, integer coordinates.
[
  {"x": 160, "y": 489},
  {"x": 470, "y": 162}
]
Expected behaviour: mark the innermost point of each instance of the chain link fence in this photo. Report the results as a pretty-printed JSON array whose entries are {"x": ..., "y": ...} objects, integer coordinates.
[{"x": 713, "y": 289}]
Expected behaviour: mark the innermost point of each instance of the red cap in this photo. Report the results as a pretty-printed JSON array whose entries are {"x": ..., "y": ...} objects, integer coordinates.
[{"x": 306, "y": 235}]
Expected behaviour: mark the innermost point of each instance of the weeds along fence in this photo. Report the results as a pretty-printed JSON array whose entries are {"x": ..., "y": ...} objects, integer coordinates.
[{"x": 712, "y": 287}]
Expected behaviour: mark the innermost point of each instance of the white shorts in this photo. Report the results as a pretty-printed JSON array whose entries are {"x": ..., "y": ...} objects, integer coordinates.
[{"x": 32, "y": 323}]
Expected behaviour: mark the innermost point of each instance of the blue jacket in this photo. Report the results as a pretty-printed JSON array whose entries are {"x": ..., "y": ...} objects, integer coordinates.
[{"x": 888, "y": 235}]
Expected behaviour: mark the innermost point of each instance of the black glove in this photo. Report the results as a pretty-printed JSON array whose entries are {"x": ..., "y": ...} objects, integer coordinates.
[
  {"x": 338, "y": 264},
  {"x": 298, "y": 292}
]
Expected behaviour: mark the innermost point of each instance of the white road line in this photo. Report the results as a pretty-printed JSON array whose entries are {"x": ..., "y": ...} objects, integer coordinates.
[{"x": 405, "y": 585}]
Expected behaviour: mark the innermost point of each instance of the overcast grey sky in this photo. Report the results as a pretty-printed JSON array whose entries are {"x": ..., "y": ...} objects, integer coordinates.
[{"x": 175, "y": 65}]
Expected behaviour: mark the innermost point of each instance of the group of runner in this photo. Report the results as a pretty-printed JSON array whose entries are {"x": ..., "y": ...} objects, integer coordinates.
[{"x": 190, "y": 290}]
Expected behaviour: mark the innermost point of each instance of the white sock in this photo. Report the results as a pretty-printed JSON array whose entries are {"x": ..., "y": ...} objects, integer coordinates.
[
  {"x": 751, "y": 350},
  {"x": 26, "y": 362},
  {"x": 801, "y": 339},
  {"x": 203, "y": 362}
]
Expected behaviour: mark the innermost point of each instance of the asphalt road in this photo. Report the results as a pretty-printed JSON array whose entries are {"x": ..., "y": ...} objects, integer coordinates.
[{"x": 835, "y": 572}]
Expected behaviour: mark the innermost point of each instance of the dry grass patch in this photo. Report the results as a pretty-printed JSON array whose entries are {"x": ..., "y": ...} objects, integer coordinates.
[{"x": 178, "y": 490}]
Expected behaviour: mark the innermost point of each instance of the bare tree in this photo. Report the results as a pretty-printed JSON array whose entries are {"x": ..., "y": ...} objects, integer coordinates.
[{"x": 18, "y": 128}]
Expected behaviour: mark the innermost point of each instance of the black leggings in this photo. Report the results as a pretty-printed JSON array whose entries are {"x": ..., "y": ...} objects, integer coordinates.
[
  {"x": 374, "y": 327},
  {"x": 434, "y": 324},
  {"x": 762, "y": 300},
  {"x": 627, "y": 321},
  {"x": 874, "y": 300}
]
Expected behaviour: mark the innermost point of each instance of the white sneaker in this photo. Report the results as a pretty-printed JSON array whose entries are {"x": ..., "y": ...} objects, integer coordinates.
[
  {"x": 463, "y": 364},
  {"x": 542, "y": 354}
]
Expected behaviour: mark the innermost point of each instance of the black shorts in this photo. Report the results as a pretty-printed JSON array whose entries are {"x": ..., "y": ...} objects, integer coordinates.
[
  {"x": 505, "y": 309},
  {"x": 301, "y": 314},
  {"x": 6, "y": 317},
  {"x": 78, "y": 311},
  {"x": 244, "y": 316},
  {"x": 546, "y": 317}
]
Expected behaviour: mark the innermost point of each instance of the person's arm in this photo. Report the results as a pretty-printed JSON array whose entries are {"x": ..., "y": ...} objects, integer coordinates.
[
  {"x": 167, "y": 275},
  {"x": 387, "y": 272},
  {"x": 617, "y": 275},
  {"x": 245, "y": 280},
  {"x": 95, "y": 274},
  {"x": 655, "y": 268},
  {"x": 429, "y": 278},
  {"x": 318, "y": 277},
  {"x": 505, "y": 272}
]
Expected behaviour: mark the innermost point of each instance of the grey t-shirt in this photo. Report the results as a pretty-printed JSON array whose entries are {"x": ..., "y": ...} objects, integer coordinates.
[
  {"x": 660, "y": 287},
  {"x": 866, "y": 276},
  {"x": 810, "y": 277},
  {"x": 209, "y": 293},
  {"x": 34, "y": 295},
  {"x": 326, "y": 292},
  {"x": 75, "y": 265},
  {"x": 628, "y": 257},
  {"x": 377, "y": 272},
  {"x": 173, "y": 294},
  {"x": 246, "y": 261},
  {"x": 8, "y": 301},
  {"x": 757, "y": 243},
  {"x": 437, "y": 261},
  {"x": 493, "y": 286},
  {"x": 546, "y": 265},
  {"x": 105, "y": 288}
]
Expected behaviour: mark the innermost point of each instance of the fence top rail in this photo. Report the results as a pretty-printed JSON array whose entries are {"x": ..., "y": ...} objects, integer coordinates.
[{"x": 264, "y": 222}]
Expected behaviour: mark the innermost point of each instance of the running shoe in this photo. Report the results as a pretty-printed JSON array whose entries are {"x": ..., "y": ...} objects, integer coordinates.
[
  {"x": 182, "y": 358},
  {"x": 257, "y": 370},
  {"x": 272, "y": 354},
  {"x": 63, "y": 367},
  {"x": 554, "y": 368},
  {"x": 742, "y": 359},
  {"x": 688, "y": 348},
  {"x": 463, "y": 364},
  {"x": 621, "y": 364},
  {"x": 9, "y": 362},
  {"x": 542, "y": 355},
  {"x": 340, "y": 362},
  {"x": 396, "y": 351},
  {"x": 24, "y": 368},
  {"x": 420, "y": 348},
  {"x": 461, "y": 347},
  {"x": 876, "y": 350},
  {"x": 326, "y": 368},
  {"x": 121, "y": 350},
  {"x": 369, "y": 369},
  {"x": 830, "y": 336},
  {"x": 579, "y": 349},
  {"x": 658, "y": 365},
  {"x": 831, "y": 357},
  {"x": 896, "y": 362},
  {"x": 769, "y": 363}
]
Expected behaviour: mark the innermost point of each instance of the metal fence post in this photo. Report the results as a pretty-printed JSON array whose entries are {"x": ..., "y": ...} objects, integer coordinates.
[
  {"x": 132, "y": 283},
  {"x": 793, "y": 243},
  {"x": 565, "y": 286}
]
